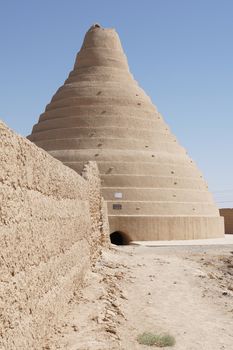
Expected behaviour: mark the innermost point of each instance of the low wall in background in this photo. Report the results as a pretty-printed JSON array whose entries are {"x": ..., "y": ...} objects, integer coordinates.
[
  {"x": 227, "y": 213},
  {"x": 53, "y": 223}
]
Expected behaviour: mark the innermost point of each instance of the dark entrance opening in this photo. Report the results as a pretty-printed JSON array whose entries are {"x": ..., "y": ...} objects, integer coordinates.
[{"x": 119, "y": 238}]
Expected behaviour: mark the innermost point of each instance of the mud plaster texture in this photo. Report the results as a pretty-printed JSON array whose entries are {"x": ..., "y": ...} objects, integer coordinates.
[
  {"x": 53, "y": 223},
  {"x": 153, "y": 189},
  {"x": 227, "y": 213}
]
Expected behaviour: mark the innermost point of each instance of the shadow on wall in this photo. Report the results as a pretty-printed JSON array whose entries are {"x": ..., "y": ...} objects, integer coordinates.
[
  {"x": 227, "y": 213},
  {"x": 119, "y": 238}
]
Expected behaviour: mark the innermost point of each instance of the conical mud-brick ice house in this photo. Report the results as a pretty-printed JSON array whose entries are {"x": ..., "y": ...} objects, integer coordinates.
[{"x": 153, "y": 189}]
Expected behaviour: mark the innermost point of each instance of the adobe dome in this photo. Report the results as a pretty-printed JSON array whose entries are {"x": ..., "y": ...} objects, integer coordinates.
[{"x": 152, "y": 187}]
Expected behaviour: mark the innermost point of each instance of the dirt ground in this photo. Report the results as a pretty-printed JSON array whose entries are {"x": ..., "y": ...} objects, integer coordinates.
[{"x": 186, "y": 291}]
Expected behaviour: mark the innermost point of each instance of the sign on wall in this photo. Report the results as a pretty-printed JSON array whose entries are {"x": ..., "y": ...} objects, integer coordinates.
[
  {"x": 117, "y": 206},
  {"x": 118, "y": 195}
]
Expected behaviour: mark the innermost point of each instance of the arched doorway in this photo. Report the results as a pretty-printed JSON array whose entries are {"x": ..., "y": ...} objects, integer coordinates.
[{"x": 119, "y": 238}]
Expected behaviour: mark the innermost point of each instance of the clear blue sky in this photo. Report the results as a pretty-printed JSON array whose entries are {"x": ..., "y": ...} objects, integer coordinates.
[{"x": 180, "y": 51}]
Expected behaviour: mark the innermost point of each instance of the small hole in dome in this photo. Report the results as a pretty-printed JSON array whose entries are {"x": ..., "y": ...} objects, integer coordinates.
[
  {"x": 175, "y": 183},
  {"x": 174, "y": 195},
  {"x": 139, "y": 104},
  {"x": 109, "y": 170},
  {"x": 99, "y": 144},
  {"x": 146, "y": 146},
  {"x": 172, "y": 172},
  {"x": 96, "y": 155},
  {"x": 99, "y": 93},
  {"x": 136, "y": 94},
  {"x": 103, "y": 112},
  {"x": 152, "y": 155}
]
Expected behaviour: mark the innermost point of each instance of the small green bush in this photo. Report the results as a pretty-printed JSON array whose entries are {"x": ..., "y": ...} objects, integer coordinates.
[{"x": 160, "y": 340}]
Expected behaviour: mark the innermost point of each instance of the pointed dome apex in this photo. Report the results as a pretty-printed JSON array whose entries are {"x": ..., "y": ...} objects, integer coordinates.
[
  {"x": 101, "y": 47},
  {"x": 99, "y": 37},
  {"x": 95, "y": 26}
]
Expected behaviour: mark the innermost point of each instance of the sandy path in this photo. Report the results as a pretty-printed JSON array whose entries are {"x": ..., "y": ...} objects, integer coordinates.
[{"x": 137, "y": 289}]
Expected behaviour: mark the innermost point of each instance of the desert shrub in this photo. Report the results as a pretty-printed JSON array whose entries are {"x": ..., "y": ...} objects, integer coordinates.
[{"x": 160, "y": 340}]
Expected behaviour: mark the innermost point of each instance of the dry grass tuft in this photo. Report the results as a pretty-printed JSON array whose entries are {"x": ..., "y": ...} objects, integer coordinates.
[{"x": 160, "y": 340}]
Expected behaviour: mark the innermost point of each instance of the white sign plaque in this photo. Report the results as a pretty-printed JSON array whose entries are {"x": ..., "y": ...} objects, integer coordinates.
[{"x": 118, "y": 195}]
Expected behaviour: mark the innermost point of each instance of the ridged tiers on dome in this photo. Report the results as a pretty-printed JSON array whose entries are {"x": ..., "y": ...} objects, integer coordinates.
[{"x": 101, "y": 114}]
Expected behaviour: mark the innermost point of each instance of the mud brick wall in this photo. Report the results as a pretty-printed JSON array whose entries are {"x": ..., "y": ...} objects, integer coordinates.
[{"x": 52, "y": 225}]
